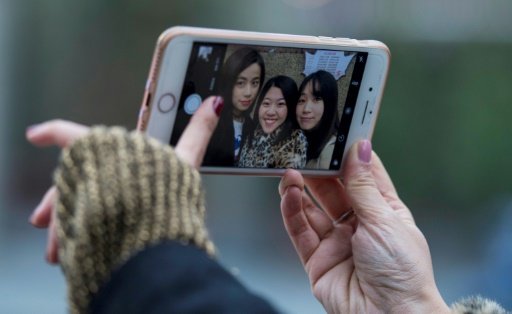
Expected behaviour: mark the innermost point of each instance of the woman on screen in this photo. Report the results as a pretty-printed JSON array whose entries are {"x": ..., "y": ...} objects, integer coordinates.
[
  {"x": 240, "y": 82},
  {"x": 277, "y": 142},
  {"x": 317, "y": 116}
]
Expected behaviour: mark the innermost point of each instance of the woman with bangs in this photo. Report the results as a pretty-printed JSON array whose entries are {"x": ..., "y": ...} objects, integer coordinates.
[
  {"x": 317, "y": 116},
  {"x": 277, "y": 142}
]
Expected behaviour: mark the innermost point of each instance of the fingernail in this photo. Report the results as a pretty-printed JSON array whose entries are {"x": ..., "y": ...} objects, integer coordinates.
[
  {"x": 32, "y": 128},
  {"x": 364, "y": 151},
  {"x": 218, "y": 104},
  {"x": 32, "y": 219}
]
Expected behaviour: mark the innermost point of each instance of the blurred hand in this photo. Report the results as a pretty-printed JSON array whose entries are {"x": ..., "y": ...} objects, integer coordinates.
[
  {"x": 374, "y": 261},
  {"x": 190, "y": 148},
  {"x": 60, "y": 133}
]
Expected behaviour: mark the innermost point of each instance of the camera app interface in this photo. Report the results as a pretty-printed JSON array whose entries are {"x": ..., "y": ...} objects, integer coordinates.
[{"x": 283, "y": 107}]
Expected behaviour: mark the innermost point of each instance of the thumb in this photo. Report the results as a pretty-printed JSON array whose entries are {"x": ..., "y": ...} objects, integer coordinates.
[
  {"x": 361, "y": 187},
  {"x": 193, "y": 142}
]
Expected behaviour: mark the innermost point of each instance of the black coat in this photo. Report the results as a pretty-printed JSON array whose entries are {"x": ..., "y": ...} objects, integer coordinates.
[{"x": 175, "y": 278}]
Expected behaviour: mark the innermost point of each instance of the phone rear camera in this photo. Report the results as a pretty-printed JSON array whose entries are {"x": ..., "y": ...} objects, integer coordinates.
[{"x": 370, "y": 89}]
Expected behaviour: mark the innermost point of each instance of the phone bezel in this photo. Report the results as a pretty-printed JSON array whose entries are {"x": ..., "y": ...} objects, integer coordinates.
[{"x": 172, "y": 54}]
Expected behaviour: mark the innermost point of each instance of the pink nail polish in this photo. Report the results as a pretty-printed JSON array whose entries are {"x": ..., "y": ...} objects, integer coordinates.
[
  {"x": 31, "y": 219},
  {"x": 218, "y": 104},
  {"x": 31, "y": 128},
  {"x": 364, "y": 151}
]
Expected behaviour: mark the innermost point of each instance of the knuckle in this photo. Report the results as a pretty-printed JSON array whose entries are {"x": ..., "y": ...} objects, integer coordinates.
[{"x": 360, "y": 180}]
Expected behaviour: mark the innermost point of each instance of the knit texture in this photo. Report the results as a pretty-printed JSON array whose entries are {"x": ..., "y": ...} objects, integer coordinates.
[
  {"x": 477, "y": 305},
  {"x": 118, "y": 193}
]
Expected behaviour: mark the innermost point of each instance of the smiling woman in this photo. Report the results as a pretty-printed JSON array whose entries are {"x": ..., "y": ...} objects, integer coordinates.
[
  {"x": 272, "y": 112},
  {"x": 317, "y": 115},
  {"x": 277, "y": 141}
]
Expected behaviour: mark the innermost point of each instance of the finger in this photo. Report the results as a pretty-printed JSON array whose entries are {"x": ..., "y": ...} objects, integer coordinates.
[
  {"x": 361, "y": 186},
  {"x": 51, "y": 246},
  {"x": 382, "y": 177},
  {"x": 55, "y": 132},
  {"x": 387, "y": 188},
  {"x": 330, "y": 194},
  {"x": 305, "y": 223},
  {"x": 193, "y": 142},
  {"x": 318, "y": 220},
  {"x": 303, "y": 236},
  {"x": 291, "y": 178},
  {"x": 42, "y": 214}
]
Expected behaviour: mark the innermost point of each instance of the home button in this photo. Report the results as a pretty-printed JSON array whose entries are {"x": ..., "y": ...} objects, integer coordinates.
[{"x": 166, "y": 103}]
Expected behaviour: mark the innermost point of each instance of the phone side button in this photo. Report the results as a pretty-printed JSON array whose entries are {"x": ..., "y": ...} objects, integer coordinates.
[
  {"x": 166, "y": 103},
  {"x": 149, "y": 84},
  {"x": 142, "y": 123},
  {"x": 326, "y": 38}
]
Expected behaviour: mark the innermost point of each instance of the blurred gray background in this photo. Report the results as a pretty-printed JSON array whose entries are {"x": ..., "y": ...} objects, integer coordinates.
[{"x": 443, "y": 130}]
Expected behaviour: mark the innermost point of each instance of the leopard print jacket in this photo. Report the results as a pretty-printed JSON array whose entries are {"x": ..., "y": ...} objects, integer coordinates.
[{"x": 264, "y": 152}]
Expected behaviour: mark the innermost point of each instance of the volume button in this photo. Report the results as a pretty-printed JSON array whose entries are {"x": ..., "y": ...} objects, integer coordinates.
[
  {"x": 326, "y": 38},
  {"x": 148, "y": 84}
]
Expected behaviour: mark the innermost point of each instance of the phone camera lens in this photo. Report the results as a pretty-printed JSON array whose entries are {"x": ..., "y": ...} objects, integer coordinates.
[{"x": 370, "y": 89}]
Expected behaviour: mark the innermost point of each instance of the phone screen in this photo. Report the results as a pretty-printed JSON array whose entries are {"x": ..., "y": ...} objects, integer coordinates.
[{"x": 283, "y": 107}]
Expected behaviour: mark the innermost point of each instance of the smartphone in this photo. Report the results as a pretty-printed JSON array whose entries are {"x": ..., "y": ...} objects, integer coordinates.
[{"x": 289, "y": 101}]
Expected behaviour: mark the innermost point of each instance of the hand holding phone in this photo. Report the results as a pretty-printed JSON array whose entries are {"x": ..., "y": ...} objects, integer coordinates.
[
  {"x": 61, "y": 133},
  {"x": 290, "y": 101},
  {"x": 359, "y": 224}
]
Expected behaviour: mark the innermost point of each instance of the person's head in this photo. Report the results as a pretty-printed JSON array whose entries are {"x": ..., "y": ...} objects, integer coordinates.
[
  {"x": 317, "y": 110},
  {"x": 242, "y": 76},
  {"x": 276, "y": 105}
]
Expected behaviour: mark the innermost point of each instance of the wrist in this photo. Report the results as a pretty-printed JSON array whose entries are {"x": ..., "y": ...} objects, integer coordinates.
[
  {"x": 119, "y": 193},
  {"x": 427, "y": 302}
]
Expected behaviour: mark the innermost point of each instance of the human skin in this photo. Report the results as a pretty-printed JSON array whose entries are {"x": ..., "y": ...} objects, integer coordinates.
[
  {"x": 246, "y": 88},
  {"x": 377, "y": 261},
  {"x": 309, "y": 108},
  {"x": 272, "y": 111},
  {"x": 190, "y": 148}
]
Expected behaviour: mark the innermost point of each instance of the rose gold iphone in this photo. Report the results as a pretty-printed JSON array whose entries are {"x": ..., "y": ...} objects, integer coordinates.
[{"x": 289, "y": 101}]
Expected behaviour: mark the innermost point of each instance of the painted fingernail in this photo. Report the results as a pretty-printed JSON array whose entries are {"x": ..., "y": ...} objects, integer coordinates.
[
  {"x": 218, "y": 104},
  {"x": 32, "y": 128},
  {"x": 364, "y": 151},
  {"x": 33, "y": 218}
]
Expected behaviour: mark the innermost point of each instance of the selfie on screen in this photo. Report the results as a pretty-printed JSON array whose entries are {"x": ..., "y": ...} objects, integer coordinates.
[{"x": 284, "y": 107}]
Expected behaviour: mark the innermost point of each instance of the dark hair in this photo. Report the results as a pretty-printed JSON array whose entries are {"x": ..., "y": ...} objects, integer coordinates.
[
  {"x": 291, "y": 95},
  {"x": 323, "y": 86},
  {"x": 220, "y": 149},
  {"x": 237, "y": 62}
]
